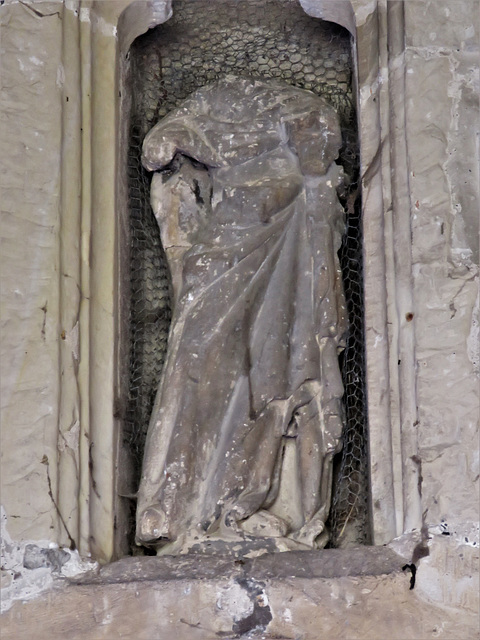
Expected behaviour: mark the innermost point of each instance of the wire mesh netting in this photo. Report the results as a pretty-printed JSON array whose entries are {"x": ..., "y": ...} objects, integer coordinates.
[{"x": 202, "y": 42}]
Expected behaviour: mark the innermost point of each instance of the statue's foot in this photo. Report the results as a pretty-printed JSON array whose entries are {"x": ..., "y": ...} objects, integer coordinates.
[
  {"x": 264, "y": 524},
  {"x": 151, "y": 526},
  {"x": 313, "y": 534}
]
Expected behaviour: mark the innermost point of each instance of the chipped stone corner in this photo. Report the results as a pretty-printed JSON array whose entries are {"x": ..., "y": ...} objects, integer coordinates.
[
  {"x": 31, "y": 567},
  {"x": 448, "y": 576},
  {"x": 445, "y": 555}
]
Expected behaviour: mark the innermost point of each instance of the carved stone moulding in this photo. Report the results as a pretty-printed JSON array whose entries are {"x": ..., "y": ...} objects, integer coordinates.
[{"x": 106, "y": 32}]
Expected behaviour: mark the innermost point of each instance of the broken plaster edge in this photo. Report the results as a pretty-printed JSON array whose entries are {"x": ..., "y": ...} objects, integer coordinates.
[{"x": 19, "y": 583}]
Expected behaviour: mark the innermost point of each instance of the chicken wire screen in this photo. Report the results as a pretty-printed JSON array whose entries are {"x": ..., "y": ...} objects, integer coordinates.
[{"x": 203, "y": 41}]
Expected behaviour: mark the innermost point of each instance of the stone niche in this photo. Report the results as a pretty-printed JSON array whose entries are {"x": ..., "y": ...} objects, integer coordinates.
[
  {"x": 67, "y": 476},
  {"x": 176, "y": 57},
  {"x": 270, "y": 41}
]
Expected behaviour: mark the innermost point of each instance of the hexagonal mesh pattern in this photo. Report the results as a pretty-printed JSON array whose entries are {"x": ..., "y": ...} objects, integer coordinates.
[{"x": 203, "y": 41}]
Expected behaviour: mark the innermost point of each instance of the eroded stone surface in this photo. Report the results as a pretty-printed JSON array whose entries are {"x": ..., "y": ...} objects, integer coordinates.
[
  {"x": 442, "y": 84},
  {"x": 233, "y": 601},
  {"x": 443, "y": 23},
  {"x": 331, "y": 563},
  {"x": 31, "y": 78},
  {"x": 248, "y": 413},
  {"x": 30, "y": 568}
]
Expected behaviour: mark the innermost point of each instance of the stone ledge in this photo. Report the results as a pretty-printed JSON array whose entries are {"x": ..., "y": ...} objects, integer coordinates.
[{"x": 326, "y": 564}]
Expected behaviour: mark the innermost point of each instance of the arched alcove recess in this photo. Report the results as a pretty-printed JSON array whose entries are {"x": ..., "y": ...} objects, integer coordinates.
[{"x": 106, "y": 31}]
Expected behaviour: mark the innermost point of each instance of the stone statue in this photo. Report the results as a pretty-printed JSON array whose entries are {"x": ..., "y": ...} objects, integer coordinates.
[{"x": 248, "y": 414}]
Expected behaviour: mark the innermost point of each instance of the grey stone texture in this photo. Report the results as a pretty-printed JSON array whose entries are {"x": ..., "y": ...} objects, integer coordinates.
[
  {"x": 285, "y": 596},
  {"x": 36, "y": 557},
  {"x": 248, "y": 414}
]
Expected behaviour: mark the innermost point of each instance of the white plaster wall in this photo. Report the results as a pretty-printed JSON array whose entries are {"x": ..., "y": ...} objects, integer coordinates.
[
  {"x": 31, "y": 79},
  {"x": 442, "y": 113}
]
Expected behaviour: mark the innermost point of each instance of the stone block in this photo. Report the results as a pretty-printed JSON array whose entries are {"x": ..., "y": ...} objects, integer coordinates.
[{"x": 442, "y": 23}]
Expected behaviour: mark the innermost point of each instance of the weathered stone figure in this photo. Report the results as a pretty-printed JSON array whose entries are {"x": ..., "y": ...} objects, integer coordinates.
[{"x": 248, "y": 414}]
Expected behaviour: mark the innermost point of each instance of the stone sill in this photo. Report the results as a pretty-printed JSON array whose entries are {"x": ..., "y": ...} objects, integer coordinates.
[{"x": 325, "y": 564}]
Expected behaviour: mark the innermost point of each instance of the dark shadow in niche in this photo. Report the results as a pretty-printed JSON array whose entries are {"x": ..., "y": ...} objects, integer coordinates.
[{"x": 202, "y": 42}]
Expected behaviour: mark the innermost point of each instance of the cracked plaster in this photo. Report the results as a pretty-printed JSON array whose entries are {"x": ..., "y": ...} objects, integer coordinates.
[
  {"x": 31, "y": 117},
  {"x": 442, "y": 89}
]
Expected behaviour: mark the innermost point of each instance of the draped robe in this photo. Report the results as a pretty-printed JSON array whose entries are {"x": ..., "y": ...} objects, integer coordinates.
[{"x": 259, "y": 314}]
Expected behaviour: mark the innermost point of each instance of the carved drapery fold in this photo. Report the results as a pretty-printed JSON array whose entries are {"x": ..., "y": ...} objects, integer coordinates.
[{"x": 259, "y": 317}]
